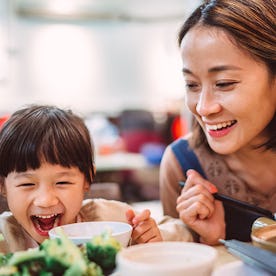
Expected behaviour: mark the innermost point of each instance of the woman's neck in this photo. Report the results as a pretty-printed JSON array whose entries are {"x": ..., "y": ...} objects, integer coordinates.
[{"x": 257, "y": 167}]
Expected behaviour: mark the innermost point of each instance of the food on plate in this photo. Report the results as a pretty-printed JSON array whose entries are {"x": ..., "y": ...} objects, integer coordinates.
[
  {"x": 102, "y": 250},
  {"x": 61, "y": 256}
]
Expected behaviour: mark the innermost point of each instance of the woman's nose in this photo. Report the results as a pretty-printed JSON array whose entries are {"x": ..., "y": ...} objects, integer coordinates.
[
  {"x": 45, "y": 198},
  {"x": 207, "y": 103}
]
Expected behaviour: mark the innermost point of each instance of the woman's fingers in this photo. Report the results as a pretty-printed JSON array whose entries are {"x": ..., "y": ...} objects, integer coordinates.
[
  {"x": 193, "y": 210},
  {"x": 196, "y": 200},
  {"x": 194, "y": 178},
  {"x": 196, "y": 190}
]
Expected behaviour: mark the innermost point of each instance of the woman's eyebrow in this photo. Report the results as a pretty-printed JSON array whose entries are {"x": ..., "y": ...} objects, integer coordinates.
[
  {"x": 187, "y": 71},
  {"x": 214, "y": 69},
  {"x": 223, "y": 68}
]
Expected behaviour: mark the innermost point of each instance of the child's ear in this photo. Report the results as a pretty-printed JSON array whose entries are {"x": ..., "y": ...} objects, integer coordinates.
[
  {"x": 2, "y": 190},
  {"x": 2, "y": 187},
  {"x": 86, "y": 187},
  {"x": 94, "y": 170}
]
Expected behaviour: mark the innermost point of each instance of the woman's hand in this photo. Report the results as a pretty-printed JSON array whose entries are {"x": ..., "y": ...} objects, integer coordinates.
[
  {"x": 145, "y": 228},
  {"x": 199, "y": 210}
]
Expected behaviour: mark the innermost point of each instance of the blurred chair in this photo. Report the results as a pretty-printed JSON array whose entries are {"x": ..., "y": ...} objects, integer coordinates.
[
  {"x": 3, "y": 119},
  {"x": 137, "y": 127},
  {"x": 107, "y": 190}
]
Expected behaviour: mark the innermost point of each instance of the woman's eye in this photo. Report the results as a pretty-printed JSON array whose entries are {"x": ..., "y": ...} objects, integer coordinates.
[
  {"x": 192, "y": 86},
  {"x": 226, "y": 85}
]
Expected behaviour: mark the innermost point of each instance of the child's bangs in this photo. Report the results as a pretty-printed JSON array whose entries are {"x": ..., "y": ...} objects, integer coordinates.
[
  {"x": 61, "y": 151},
  {"x": 30, "y": 153}
]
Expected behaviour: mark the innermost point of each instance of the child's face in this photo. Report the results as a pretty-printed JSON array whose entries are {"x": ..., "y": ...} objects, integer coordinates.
[{"x": 49, "y": 196}]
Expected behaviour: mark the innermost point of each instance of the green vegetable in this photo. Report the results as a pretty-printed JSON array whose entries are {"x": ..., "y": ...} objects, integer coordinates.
[
  {"x": 102, "y": 250},
  {"x": 62, "y": 257},
  {"x": 4, "y": 258},
  {"x": 93, "y": 270},
  {"x": 8, "y": 270},
  {"x": 28, "y": 262}
]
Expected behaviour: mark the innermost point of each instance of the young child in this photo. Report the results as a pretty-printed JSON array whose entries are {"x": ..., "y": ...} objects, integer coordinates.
[{"x": 46, "y": 166}]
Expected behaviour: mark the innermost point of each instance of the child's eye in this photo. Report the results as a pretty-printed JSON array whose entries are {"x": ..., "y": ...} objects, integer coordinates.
[
  {"x": 25, "y": 185},
  {"x": 63, "y": 183}
]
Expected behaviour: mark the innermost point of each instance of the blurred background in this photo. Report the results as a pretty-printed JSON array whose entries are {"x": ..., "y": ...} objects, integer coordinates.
[{"x": 115, "y": 62}]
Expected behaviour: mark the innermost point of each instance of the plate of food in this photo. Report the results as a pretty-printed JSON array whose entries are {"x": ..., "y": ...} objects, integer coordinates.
[{"x": 60, "y": 255}]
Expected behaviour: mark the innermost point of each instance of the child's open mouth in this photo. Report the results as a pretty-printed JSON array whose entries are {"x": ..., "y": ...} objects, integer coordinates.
[{"x": 43, "y": 224}]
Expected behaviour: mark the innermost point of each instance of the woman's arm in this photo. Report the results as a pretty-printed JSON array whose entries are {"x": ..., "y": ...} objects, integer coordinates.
[{"x": 170, "y": 175}]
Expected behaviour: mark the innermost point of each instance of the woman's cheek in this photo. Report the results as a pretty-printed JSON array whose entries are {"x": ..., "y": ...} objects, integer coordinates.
[{"x": 191, "y": 103}]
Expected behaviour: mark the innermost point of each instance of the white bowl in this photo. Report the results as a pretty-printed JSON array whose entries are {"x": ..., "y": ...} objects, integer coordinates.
[
  {"x": 239, "y": 268},
  {"x": 83, "y": 232},
  {"x": 166, "y": 258}
]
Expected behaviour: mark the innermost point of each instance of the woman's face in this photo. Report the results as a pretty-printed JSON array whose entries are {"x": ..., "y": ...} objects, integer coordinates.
[
  {"x": 228, "y": 91},
  {"x": 46, "y": 197}
]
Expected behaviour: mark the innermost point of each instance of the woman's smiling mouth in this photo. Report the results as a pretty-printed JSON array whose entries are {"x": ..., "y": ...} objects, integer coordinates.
[{"x": 220, "y": 129}]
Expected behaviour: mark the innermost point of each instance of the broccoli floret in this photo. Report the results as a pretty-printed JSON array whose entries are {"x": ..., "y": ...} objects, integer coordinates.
[
  {"x": 4, "y": 258},
  {"x": 93, "y": 270},
  {"x": 8, "y": 270},
  {"x": 62, "y": 255},
  {"x": 22, "y": 257},
  {"x": 102, "y": 250},
  {"x": 28, "y": 262}
]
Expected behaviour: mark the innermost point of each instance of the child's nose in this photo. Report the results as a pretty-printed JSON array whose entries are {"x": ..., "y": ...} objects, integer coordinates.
[{"x": 45, "y": 198}]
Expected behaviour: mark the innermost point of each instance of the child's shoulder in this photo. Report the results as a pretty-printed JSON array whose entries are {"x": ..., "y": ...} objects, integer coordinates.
[
  {"x": 102, "y": 209},
  {"x": 10, "y": 232}
]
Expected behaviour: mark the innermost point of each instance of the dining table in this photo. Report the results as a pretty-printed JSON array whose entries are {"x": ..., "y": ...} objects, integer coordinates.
[{"x": 224, "y": 257}]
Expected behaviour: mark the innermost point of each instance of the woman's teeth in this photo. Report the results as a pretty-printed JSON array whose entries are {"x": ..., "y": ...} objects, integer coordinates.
[{"x": 221, "y": 125}]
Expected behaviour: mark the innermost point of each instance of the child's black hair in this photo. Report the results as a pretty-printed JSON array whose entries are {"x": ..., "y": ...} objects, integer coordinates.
[{"x": 40, "y": 133}]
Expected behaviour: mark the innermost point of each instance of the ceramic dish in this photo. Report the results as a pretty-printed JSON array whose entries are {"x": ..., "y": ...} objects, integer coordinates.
[
  {"x": 82, "y": 232},
  {"x": 240, "y": 269},
  {"x": 166, "y": 258},
  {"x": 265, "y": 237}
]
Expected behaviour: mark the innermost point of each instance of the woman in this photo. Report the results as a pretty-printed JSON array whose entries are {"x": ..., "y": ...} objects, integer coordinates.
[{"x": 228, "y": 49}]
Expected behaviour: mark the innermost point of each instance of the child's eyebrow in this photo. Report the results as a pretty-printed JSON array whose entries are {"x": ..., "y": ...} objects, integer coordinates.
[
  {"x": 69, "y": 173},
  {"x": 29, "y": 174},
  {"x": 23, "y": 174}
]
